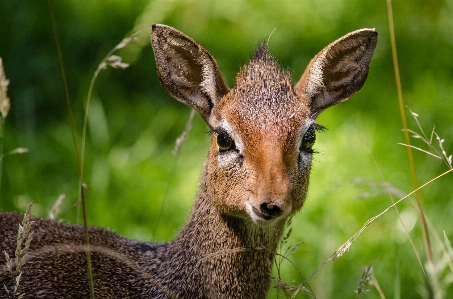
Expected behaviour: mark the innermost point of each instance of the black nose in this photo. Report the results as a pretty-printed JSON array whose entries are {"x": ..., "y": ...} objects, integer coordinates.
[{"x": 270, "y": 211}]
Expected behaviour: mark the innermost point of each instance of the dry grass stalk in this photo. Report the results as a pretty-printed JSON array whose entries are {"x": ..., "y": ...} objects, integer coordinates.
[
  {"x": 364, "y": 282},
  {"x": 55, "y": 210},
  {"x": 14, "y": 265},
  {"x": 4, "y": 100}
]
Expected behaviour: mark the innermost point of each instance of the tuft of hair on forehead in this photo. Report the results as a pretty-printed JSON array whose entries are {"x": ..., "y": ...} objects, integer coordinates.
[
  {"x": 263, "y": 77},
  {"x": 262, "y": 52},
  {"x": 264, "y": 90},
  {"x": 263, "y": 62}
]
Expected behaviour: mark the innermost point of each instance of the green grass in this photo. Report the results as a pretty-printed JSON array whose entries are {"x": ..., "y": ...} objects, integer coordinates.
[{"x": 133, "y": 179}]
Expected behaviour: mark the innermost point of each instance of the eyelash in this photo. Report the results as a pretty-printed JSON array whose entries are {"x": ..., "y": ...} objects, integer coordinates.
[{"x": 309, "y": 138}]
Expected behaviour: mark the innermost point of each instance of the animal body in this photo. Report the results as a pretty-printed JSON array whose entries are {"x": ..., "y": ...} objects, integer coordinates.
[{"x": 254, "y": 179}]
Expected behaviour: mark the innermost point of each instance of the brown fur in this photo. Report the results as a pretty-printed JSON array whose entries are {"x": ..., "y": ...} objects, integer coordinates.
[{"x": 247, "y": 191}]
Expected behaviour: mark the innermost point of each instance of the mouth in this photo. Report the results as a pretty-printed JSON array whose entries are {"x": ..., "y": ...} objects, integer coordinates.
[
  {"x": 261, "y": 215},
  {"x": 258, "y": 216},
  {"x": 257, "y": 212}
]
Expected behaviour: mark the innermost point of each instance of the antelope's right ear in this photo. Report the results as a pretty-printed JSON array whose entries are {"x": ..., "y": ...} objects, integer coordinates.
[{"x": 186, "y": 70}]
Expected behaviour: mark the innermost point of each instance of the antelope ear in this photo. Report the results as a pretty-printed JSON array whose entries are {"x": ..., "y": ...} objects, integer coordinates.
[
  {"x": 338, "y": 71},
  {"x": 186, "y": 70}
]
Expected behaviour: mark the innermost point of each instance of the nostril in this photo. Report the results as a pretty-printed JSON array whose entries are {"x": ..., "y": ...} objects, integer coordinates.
[{"x": 270, "y": 211}]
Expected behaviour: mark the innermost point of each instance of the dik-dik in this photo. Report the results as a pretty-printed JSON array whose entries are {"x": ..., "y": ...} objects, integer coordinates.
[{"x": 254, "y": 179}]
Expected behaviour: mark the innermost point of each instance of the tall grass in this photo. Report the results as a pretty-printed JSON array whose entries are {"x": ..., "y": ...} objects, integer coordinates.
[
  {"x": 437, "y": 283},
  {"x": 113, "y": 61},
  {"x": 402, "y": 108}
]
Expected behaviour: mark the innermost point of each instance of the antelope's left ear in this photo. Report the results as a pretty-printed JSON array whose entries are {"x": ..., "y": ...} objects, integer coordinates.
[{"x": 338, "y": 71}]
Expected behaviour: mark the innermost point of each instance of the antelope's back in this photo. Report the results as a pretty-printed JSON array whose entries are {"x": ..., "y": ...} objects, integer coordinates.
[{"x": 56, "y": 262}]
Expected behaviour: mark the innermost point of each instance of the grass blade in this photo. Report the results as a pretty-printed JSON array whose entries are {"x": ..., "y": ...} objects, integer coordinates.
[{"x": 406, "y": 132}]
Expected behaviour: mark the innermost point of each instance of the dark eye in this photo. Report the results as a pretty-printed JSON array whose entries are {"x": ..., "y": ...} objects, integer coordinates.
[
  {"x": 309, "y": 138},
  {"x": 224, "y": 142}
]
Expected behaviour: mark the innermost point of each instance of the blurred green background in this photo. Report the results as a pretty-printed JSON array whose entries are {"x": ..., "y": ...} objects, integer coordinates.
[{"x": 133, "y": 176}]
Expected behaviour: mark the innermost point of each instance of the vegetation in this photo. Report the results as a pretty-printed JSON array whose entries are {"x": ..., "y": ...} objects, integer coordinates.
[{"x": 139, "y": 189}]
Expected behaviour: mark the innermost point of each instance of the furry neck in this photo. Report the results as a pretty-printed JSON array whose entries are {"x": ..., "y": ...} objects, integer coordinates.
[{"x": 222, "y": 256}]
